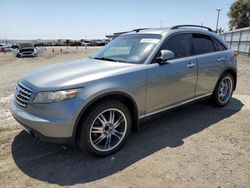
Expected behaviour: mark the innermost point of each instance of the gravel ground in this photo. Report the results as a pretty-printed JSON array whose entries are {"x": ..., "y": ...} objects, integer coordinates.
[{"x": 194, "y": 146}]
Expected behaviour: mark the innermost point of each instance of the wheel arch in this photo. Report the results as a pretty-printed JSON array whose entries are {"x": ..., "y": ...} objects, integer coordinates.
[
  {"x": 232, "y": 72},
  {"x": 122, "y": 97}
]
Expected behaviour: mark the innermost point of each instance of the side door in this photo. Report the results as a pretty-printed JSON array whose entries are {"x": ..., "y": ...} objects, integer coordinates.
[
  {"x": 210, "y": 59},
  {"x": 173, "y": 81}
]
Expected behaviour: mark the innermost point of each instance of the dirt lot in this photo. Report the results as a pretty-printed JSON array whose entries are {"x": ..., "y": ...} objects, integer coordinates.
[{"x": 195, "y": 146}]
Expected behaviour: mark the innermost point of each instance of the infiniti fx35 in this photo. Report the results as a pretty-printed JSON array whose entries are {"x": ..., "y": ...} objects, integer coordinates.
[{"x": 96, "y": 102}]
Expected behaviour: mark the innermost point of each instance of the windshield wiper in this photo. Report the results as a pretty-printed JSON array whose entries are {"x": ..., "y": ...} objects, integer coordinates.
[{"x": 105, "y": 59}]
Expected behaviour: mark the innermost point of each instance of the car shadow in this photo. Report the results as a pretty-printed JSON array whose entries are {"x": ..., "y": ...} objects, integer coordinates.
[{"x": 68, "y": 165}]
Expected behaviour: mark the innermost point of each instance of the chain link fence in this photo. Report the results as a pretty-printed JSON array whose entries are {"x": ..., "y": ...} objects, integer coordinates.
[{"x": 238, "y": 40}]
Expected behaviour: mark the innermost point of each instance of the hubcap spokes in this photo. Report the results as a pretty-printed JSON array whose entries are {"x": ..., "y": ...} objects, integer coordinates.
[
  {"x": 225, "y": 89},
  {"x": 108, "y": 129}
]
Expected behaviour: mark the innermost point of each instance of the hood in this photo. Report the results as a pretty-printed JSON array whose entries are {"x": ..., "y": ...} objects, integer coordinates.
[{"x": 73, "y": 74}]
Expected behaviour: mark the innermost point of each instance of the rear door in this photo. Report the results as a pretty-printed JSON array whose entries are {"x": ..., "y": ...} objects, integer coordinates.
[
  {"x": 210, "y": 62},
  {"x": 174, "y": 81}
]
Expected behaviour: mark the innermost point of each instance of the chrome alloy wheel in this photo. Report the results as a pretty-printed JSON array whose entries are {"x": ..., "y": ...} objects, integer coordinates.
[
  {"x": 108, "y": 129},
  {"x": 225, "y": 89}
]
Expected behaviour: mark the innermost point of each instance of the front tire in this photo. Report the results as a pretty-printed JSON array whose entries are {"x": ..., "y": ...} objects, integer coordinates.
[
  {"x": 105, "y": 128},
  {"x": 223, "y": 90}
]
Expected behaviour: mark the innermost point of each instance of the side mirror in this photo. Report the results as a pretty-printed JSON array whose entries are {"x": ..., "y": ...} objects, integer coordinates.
[{"x": 165, "y": 55}]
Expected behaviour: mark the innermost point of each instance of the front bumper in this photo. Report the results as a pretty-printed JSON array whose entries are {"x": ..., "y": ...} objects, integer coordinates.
[
  {"x": 27, "y": 54},
  {"x": 50, "y": 129}
]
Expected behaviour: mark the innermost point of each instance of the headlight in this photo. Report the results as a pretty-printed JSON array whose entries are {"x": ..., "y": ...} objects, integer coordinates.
[{"x": 48, "y": 97}]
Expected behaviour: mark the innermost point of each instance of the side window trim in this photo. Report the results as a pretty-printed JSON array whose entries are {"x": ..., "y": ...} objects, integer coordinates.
[{"x": 191, "y": 45}]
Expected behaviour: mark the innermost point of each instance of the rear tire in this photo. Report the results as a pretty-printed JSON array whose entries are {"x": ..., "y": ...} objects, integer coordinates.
[
  {"x": 223, "y": 91},
  {"x": 105, "y": 128}
]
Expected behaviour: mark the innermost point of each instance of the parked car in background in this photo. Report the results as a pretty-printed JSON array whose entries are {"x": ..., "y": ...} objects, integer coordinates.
[
  {"x": 25, "y": 50},
  {"x": 97, "y": 101},
  {"x": 39, "y": 44},
  {"x": 75, "y": 43},
  {"x": 5, "y": 47},
  {"x": 85, "y": 42},
  {"x": 97, "y": 43}
]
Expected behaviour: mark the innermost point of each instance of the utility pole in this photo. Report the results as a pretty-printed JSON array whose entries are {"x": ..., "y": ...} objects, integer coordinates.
[{"x": 218, "y": 17}]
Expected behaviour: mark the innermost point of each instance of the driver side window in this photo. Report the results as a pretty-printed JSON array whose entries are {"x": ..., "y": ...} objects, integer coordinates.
[{"x": 179, "y": 44}]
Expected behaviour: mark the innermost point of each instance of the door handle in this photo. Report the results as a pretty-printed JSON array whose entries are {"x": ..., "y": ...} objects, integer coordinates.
[
  {"x": 221, "y": 59},
  {"x": 191, "y": 64}
]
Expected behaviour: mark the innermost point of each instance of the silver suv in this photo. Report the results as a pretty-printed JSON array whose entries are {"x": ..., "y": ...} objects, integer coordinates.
[{"x": 96, "y": 102}]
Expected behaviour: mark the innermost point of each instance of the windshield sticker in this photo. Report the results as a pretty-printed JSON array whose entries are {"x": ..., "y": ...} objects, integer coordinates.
[{"x": 147, "y": 40}]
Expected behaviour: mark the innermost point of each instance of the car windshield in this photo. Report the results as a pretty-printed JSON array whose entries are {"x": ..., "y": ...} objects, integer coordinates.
[
  {"x": 26, "y": 45},
  {"x": 133, "y": 48}
]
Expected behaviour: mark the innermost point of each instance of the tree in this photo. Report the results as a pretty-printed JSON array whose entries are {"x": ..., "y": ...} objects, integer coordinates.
[
  {"x": 239, "y": 14},
  {"x": 220, "y": 30}
]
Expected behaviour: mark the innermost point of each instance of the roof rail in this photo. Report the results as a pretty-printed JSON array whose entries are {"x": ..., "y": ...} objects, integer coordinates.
[
  {"x": 200, "y": 26},
  {"x": 139, "y": 29}
]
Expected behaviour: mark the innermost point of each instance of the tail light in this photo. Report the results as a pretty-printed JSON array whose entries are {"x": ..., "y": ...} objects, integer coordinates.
[{"x": 235, "y": 54}]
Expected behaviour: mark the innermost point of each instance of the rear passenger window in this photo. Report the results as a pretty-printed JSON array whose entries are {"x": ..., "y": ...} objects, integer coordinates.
[
  {"x": 219, "y": 45},
  {"x": 202, "y": 44},
  {"x": 178, "y": 44}
]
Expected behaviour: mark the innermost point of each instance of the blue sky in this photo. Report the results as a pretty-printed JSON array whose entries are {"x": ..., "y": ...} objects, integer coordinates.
[{"x": 49, "y": 19}]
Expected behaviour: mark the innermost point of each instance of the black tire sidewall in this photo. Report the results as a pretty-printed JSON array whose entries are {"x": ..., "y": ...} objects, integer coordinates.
[{"x": 85, "y": 125}]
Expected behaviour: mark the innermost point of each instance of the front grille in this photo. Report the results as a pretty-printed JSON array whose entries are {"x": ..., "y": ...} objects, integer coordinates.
[
  {"x": 22, "y": 95},
  {"x": 26, "y": 50},
  {"x": 27, "y": 53}
]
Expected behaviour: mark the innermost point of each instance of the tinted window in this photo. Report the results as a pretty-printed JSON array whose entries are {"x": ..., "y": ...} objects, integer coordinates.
[
  {"x": 219, "y": 45},
  {"x": 202, "y": 44},
  {"x": 178, "y": 44}
]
